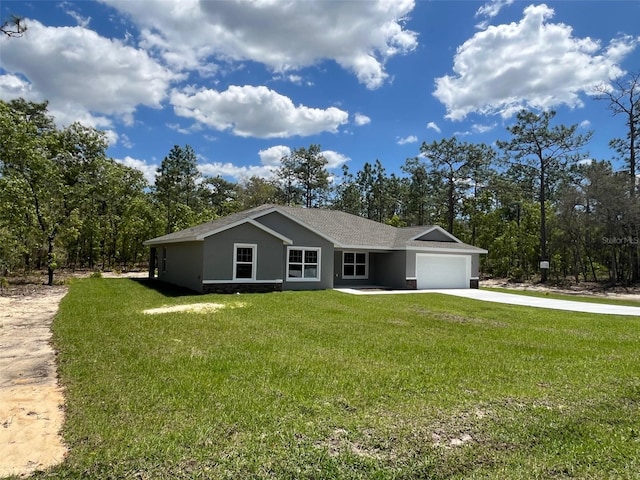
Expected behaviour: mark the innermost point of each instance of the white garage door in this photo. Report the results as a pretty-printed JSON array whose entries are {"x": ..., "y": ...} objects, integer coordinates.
[{"x": 442, "y": 271}]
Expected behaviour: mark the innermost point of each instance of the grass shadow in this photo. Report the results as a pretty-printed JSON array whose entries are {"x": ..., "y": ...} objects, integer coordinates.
[{"x": 163, "y": 288}]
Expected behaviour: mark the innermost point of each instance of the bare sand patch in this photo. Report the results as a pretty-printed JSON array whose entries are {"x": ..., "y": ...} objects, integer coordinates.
[
  {"x": 192, "y": 308},
  {"x": 31, "y": 401}
]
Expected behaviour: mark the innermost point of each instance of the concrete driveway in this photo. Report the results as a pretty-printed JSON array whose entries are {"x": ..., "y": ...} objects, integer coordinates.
[{"x": 515, "y": 299}]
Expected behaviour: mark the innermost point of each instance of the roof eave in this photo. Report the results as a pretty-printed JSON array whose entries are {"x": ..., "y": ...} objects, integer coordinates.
[
  {"x": 160, "y": 241},
  {"x": 469, "y": 249}
]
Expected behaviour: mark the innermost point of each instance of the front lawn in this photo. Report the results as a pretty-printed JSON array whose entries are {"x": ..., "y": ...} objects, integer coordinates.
[{"x": 321, "y": 385}]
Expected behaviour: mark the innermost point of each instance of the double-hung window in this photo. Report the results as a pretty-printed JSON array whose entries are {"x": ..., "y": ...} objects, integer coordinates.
[
  {"x": 355, "y": 265},
  {"x": 303, "y": 264},
  {"x": 244, "y": 261}
]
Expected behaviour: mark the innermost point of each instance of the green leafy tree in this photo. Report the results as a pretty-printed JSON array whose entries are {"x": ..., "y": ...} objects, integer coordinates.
[
  {"x": 258, "y": 191},
  {"x": 544, "y": 151},
  {"x": 304, "y": 177},
  {"x": 419, "y": 201},
  {"x": 28, "y": 141},
  {"x": 221, "y": 196},
  {"x": 347, "y": 198},
  {"x": 624, "y": 100},
  {"x": 52, "y": 168},
  {"x": 176, "y": 187}
]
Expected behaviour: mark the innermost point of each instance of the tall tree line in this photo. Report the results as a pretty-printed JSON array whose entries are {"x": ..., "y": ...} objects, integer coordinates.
[{"x": 537, "y": 196}]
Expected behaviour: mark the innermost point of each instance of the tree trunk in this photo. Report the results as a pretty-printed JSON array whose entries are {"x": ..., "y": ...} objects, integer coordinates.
[
  {"x": 451, "y": 205},
  {"x": 50, "y": 260},
  {"x": 543, "y": 227}
]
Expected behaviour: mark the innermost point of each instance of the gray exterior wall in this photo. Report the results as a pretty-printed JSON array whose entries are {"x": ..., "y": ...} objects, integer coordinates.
[
  {"x": 219, "y": 252},
  {"x": 338, "y": 281},
  {"x": 391, "y": 269},
  {"x": 183, "y": 264},
  {"x": 435, "y": 236},
  {"x": 475, "y": 265},
  {"x": 386, "y": 269},
  {"x": 302, "y": 237}
]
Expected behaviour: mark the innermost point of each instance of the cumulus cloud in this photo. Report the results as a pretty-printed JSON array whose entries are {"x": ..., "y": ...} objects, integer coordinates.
[
  {"x": 272, "y": 155},
  {"x": 284, "y": 36},
  {"x": 80, "y": 20},
  {"x": 361, "y": 119},
  {"x": 480, "y": 128},
  {"x": 63, "y": 113},
  {"x": 230, "y": 170},
  {"x": 434, "y": 126},
  {"x": 269, "y": 164},
  {"x": 148, "y": 170},
  {"x": 251, "y": 111},
  {"x": 12, "y": 86},
  {"x": 529, "y": 64},
  {"x": 334, "y": 159},
  {"x": 83, "y": 75},
  {"x": 405, "y": 140},
  {"x": 492, "y": 8}
]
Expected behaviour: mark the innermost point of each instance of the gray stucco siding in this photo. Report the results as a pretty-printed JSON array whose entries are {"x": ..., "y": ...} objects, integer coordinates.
[
  {"x": 219, "y": 253},
  {"x": 302, "y": 237},
  {"x": 435, "y": 236},
  {"x": 340, "y": 281},
  {"x": 475, "y": 265},
  {"x": 390, "y": 269},
  {"x": 182, "y": 264}
]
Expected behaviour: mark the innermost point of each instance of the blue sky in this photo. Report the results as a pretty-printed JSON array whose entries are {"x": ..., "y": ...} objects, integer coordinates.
[{"x": 243, "y": 82}]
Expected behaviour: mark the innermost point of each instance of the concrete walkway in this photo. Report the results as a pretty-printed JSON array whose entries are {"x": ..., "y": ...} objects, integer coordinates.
[{"x": 514, "y": 299}]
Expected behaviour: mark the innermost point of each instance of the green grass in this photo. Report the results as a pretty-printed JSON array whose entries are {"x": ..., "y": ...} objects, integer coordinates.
[
  {"x": 324, "y": 385},
  {"x": 575, "y": 298}
]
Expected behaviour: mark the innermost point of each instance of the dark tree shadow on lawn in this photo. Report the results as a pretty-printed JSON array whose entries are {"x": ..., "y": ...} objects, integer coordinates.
[{"x": 164, "y": 288}]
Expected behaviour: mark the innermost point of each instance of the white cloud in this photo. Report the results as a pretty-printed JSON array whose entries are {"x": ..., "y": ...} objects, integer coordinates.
[
  {"x": 491, "y": 9},
  {"x": 529, "y": 64},
  {"x": 125, "y": 141},
  {"x": 476, "y": 128},
  {"x": 285, "y": 36},
  {"x": 409, "y": 139},
  {"x": 83, "y": 75},
  {"x": 361, "y": 119},
  {"x": 269, "y": 164},
  {"x": 334, "y": 159},
  {"x": 231, "y": 170},
  {"x": 250, "y": 111},
  {"x": 479, "y": 128},
  {"x": 149, "y": 171},
  {"x": 434, "y": 126},
  {"x": 272, "y": 155},
  {"x": 80, "y": 20},
  {"x": 12, "y": 86}
]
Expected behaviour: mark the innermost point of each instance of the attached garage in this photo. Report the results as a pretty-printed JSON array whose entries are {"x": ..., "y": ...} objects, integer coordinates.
[{"x": 442, "y": 271}]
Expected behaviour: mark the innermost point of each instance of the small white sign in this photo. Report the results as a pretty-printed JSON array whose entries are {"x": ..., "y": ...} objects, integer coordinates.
[{"x": 544, "y": 264}]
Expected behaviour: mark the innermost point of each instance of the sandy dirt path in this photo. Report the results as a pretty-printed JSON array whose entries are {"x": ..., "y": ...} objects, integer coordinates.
[{"x": 31, "y": 401}]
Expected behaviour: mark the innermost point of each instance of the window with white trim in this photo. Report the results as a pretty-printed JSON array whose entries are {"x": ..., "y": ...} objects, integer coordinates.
[
  {"x": 244, "y": 261},
  {"x": 303, "y": 264},
  {"x": 355, "y": 265}
]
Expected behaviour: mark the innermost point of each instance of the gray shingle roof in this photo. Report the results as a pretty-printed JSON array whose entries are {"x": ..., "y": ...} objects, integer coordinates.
[
  {"x": 192, "y": 234},
  {"x": 344, "y": 229}
]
